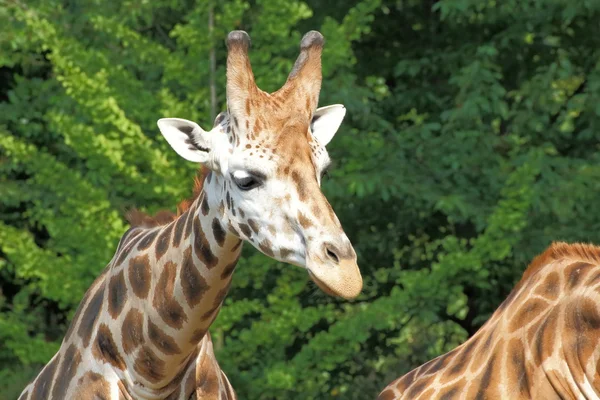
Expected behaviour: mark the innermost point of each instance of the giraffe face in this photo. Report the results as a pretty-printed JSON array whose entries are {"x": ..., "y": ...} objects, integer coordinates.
[
  {"x": 267, "y": 156},
  {"x": 268, "y": 191}
]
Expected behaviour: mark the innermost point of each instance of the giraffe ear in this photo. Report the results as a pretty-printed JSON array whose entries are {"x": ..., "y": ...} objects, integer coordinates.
[
  {"x": 186, "y": 138},
  {"x": 326, "y": 121}
]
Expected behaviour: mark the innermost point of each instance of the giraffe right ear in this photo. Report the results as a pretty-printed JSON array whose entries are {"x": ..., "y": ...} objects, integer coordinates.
[
  {"x": 186, "y": 138},
  {"x": 326, "y": 121}
]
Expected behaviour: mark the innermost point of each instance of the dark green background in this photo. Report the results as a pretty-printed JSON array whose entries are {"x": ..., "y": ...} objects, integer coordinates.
[{"x": 470, "y": 143}]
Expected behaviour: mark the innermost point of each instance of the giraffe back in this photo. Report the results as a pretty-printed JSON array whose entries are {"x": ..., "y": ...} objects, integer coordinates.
[{"x": 543, "y": 342}]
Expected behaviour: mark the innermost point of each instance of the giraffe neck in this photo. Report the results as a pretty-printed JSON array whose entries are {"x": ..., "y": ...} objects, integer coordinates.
[{"x": 179, "y": 275}]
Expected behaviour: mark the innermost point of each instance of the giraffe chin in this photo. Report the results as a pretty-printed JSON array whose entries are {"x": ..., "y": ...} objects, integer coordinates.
[{"x": 336, "y": 284}]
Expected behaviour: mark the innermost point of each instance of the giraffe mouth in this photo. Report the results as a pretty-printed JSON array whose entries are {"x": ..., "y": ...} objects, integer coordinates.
[
  {"x": 342, "y": 281},
  {"x": 321, "y": 285}
]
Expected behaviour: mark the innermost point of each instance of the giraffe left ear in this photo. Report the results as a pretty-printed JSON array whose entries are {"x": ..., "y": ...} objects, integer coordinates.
[
  {"x": 186, "y": 138},
  {"x": 326, "y": 121}
]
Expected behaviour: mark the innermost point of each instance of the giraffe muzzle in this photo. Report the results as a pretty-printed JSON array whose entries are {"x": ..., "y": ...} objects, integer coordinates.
[{"x": 336, "y": 273}]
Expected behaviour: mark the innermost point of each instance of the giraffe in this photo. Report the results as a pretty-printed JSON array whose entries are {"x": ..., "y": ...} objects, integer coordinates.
[
  {"x": 543, "y": 341},
  {"x": 141, "y": 331}
]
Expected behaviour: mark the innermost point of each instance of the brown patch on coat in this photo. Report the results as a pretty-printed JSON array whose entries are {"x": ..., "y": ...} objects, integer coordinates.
[
  {"x": 83, "y": 304},
  {"x": 163, "y": 241},
  {"x": 207, "y": 381},
  {"x": 140, "y": 275},
  {"x": 550, "y": 287},
  {"x": 192, "y": 282},
  {"x": 105, "y": 348},
  {"x": 228, "y": 270},
  {"x": 576, "y": 272},
  {"x": 253, "y": 225},
  {"x": 165, "y": 304},
  {"x": 89, "y": 316},
  {"x": 117, "y": 294},
  {"x": 179, "y": 227},
  {"x": 218, "y": 232},
  {"x": 517, "y": 371},
  {"x": 132, "y": 331},
  {"x": 149, "y": 365},
  {"x": 204, "y": 206},
  {"x": 127, "y": 242},
  {"x": 304, "y": 221},
  {"x": 246, "y": 230},
  {"x": 161, "y": 340},
  {"x": 146, "y": 241},
  {"x": 527, "y": 313},
  {"x": 92, "y": 386},
  {"x": 197, "y": 335},
  {"x": 44, "y": 381},
  {"x": 175, "y": 395},
  {"x": 202, "y": 247},
  {"x": 237, "y": 245},
  {"x": 188, "y": 225},
  {"x": 68, "y": 368},
  {"x": 266, "y": 247},
  {"x": 387, "y": 394},
  {"x": 300, "y": 186}
]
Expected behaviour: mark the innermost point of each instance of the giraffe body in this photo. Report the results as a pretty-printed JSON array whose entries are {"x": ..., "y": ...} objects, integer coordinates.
[
  {"x": 141, "y": 331},
  {"x": 543, "y": 342}
]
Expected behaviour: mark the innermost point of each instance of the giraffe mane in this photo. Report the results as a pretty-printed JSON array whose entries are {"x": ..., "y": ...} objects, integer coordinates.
[
  {"x": 561, "y": 251},
  {"x": 140, "y": 219}
]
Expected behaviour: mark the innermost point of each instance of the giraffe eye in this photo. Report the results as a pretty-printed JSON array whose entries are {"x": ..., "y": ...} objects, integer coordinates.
[{"x": 246, "y": 183}]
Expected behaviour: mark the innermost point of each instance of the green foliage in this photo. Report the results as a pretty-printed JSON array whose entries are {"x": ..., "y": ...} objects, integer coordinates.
[{"x": 471, "y": 142}]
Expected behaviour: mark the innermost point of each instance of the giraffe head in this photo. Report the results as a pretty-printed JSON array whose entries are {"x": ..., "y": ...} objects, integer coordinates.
[{"x": 267, "y": 157}]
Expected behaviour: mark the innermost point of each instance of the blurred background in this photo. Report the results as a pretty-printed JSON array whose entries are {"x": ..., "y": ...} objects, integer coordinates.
[{"x": 470, "y": 143}]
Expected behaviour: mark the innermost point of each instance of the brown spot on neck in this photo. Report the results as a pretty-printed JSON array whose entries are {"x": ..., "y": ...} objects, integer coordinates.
[
  {"x": 90, "y": 315},
  {"x": 92, "y": 386},
  {"x": 228, "y": 270},
  {"x": 105, "y": 348},
  {"x": 147, "y": 240},
  {"x": 44, "y": 381},
  {"x": 132, "y": 335},
  {"x": 128, "y": 241},
  {"x": 164, "y": 302},
  {"x": 149, "y": 365},
  {"x": 84, "y": 302},
  {"x": 140, "y": 275},
  {"x": 117, "y": 294},
  {"x": 161, "y": 340},
  {"x": 202, "y": 247},
  {"x": 163, "y": 241},
  {"x": 218, "y": 232},
  {"x": 193, "y": 284},
  {"x": 66, "y": 373},
  {"x": 179, "y": 227}
]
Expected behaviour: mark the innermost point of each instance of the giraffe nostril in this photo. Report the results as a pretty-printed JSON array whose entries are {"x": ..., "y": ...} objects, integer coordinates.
[{"x": 332, "y": 253}]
